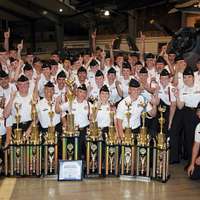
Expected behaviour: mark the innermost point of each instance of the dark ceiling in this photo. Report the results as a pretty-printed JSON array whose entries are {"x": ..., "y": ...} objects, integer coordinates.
[{"x": 14, "y": 10}]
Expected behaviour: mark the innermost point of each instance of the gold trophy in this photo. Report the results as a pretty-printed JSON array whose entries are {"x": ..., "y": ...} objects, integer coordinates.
[
  {"x": 18, "y": 131},
  {"x": 143, "y": 149},
  {"x": 51, "y": 149},
  {"x": 70, "y": 135},
  {"x": 94, "y": 146},
  {"x": 112, "y": 148},
  {"x": 161, "y": 154},
  {"x": 33, "y": 147},
  {"x": 128, "y": 147}
]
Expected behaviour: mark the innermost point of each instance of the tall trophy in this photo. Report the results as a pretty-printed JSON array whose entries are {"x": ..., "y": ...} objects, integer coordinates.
[
  {"x": 94, "y": 146},
  {"x": 70, "y": 137},
  {"x": 50, "y": 146},
  {"x": 112, "y": 149},
  {"x": 128, "y": 148},
  {"x": 143, "y": 150},
  {"x": 34, "y": 146},
  {"x": 14, "y": 154},
  {"x": 161, "y": 152}
]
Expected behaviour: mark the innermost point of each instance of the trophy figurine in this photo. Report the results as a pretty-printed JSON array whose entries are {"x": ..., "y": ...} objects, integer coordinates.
[
  {"x": 161, "y": 153},
  {"x": 51, "y": 149},
  {"x": 94, "y": 146},
  {"x": 112, "y": 149},
  {"x": 128, "y": 147},
  {"x": 143, "y": 149},
  {"x": 70, "y": 135}
]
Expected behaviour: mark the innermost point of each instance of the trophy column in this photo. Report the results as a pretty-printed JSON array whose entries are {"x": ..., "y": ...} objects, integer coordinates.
[
  {"x": 128, "y": 149},
  {"x": 70, "y": 137},
  {"x": 50, "y": 147},
  {"x": 143, "y": 151},
  {"x": 14, "y": 154},
  {"x": 112, "y": 149},
  {"x": 34, "y": 146},
  {"x": 94, "y": 147},
  {"x": 161, "y": 153}
]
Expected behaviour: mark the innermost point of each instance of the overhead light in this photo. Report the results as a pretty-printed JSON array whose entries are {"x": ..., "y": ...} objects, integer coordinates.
[
  {"x": 44, "y": 12},
  {"x": 106, "y": 13},
  {"x": 60, "y": 10}
]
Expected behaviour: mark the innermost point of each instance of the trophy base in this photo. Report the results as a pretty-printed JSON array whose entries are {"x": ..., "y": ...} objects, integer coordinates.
[
  {"x": 135, "y": 178},
  {"x": 51, "y": 177},
  {"x": 94, "y": 176},
  {"x": 159, "y": 179}
]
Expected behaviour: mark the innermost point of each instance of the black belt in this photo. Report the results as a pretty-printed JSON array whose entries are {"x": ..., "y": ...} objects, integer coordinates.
[
  {"x": 22, "y": 123},
  {"x": 190, "y": 108}
]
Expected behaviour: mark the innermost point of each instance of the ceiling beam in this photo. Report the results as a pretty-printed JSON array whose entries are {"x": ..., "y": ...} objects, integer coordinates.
[
  {"x": 29, "y": 5},
  {"x": 16, "y": 14}
]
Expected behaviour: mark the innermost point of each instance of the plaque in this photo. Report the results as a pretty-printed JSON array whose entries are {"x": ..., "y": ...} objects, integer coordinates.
[{"x": 70, "y": 170}]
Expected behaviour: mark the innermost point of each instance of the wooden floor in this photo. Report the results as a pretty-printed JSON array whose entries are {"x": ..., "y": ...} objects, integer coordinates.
[{"x": 178, "y": 187}]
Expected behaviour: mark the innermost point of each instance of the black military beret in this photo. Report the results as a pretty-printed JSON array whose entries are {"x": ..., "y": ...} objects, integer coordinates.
[
  {"x": 149, "y": 55},
  {"x": 138, "y": 63},
  {"x": 143, "y": 70},
  {"x": 93, "y": 63},
  {"x": 49, "y": 84},
  {"x": 27, "y": 67},
  {"x": 61, "y": 74},
  {"x": 160, "y": 59},
  {"x": 111, "y": 71},
  {"x": 46, "y": 64},
  {"x": 180, "y": 57},
  {"x": 126, "y": 65},
  {"x": 164, "y": 72},
  {"x": 81, "y": 69},
  {"x": 99, "y": 73},
  {"x": 22, "y": 78},
  {"x": 134, "y": 83},
  {"x": 104, "y": 88},
  {"x": 172, "y": 51},
  {"x": 188, "y": 71},
  {"x": 107, "y": 55},
  {"x": 82, "y": 87},
  {"x": 53, "y": 62},
  {"x": 3, "y": 74}
]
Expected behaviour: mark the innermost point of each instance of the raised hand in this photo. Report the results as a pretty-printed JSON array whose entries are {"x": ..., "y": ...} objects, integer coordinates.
[{"x": 7, "y": 34}]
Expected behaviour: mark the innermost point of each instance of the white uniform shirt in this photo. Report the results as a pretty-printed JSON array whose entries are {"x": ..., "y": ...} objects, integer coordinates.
[
  {"x": 6, "y": 94},
  {"x": 166, "y": 94},
  {"x": 2, "y": 124},
  {"x": 135, "y": 110},
  {"x": 197, "y": 133},
  {"x": 25, "y": 108},
  {"x": 41, "y": 84},
  {"x": 124, "y": 85},
  {"x": 197, "y": 77},
  {"x": 43, "y": 109},
  {"x": 114, "y": 96},
  {"x": 103, "y": 116},
  {"x": 80, "y": 111},
  {"x": 190, "y": 95}
]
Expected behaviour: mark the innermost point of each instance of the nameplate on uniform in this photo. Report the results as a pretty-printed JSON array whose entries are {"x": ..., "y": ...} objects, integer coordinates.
[{"x": 70, "y": 170}]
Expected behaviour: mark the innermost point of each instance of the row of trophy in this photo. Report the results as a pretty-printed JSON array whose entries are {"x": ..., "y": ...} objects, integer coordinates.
[
  {"x": 25, "y": 153},
  {"x": 130, "y": 158},
  {"x": 137, "y": 155}
]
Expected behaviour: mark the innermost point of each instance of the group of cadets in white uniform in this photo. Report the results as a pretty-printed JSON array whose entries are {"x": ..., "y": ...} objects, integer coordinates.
[{"x": 111, "y": 81}]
